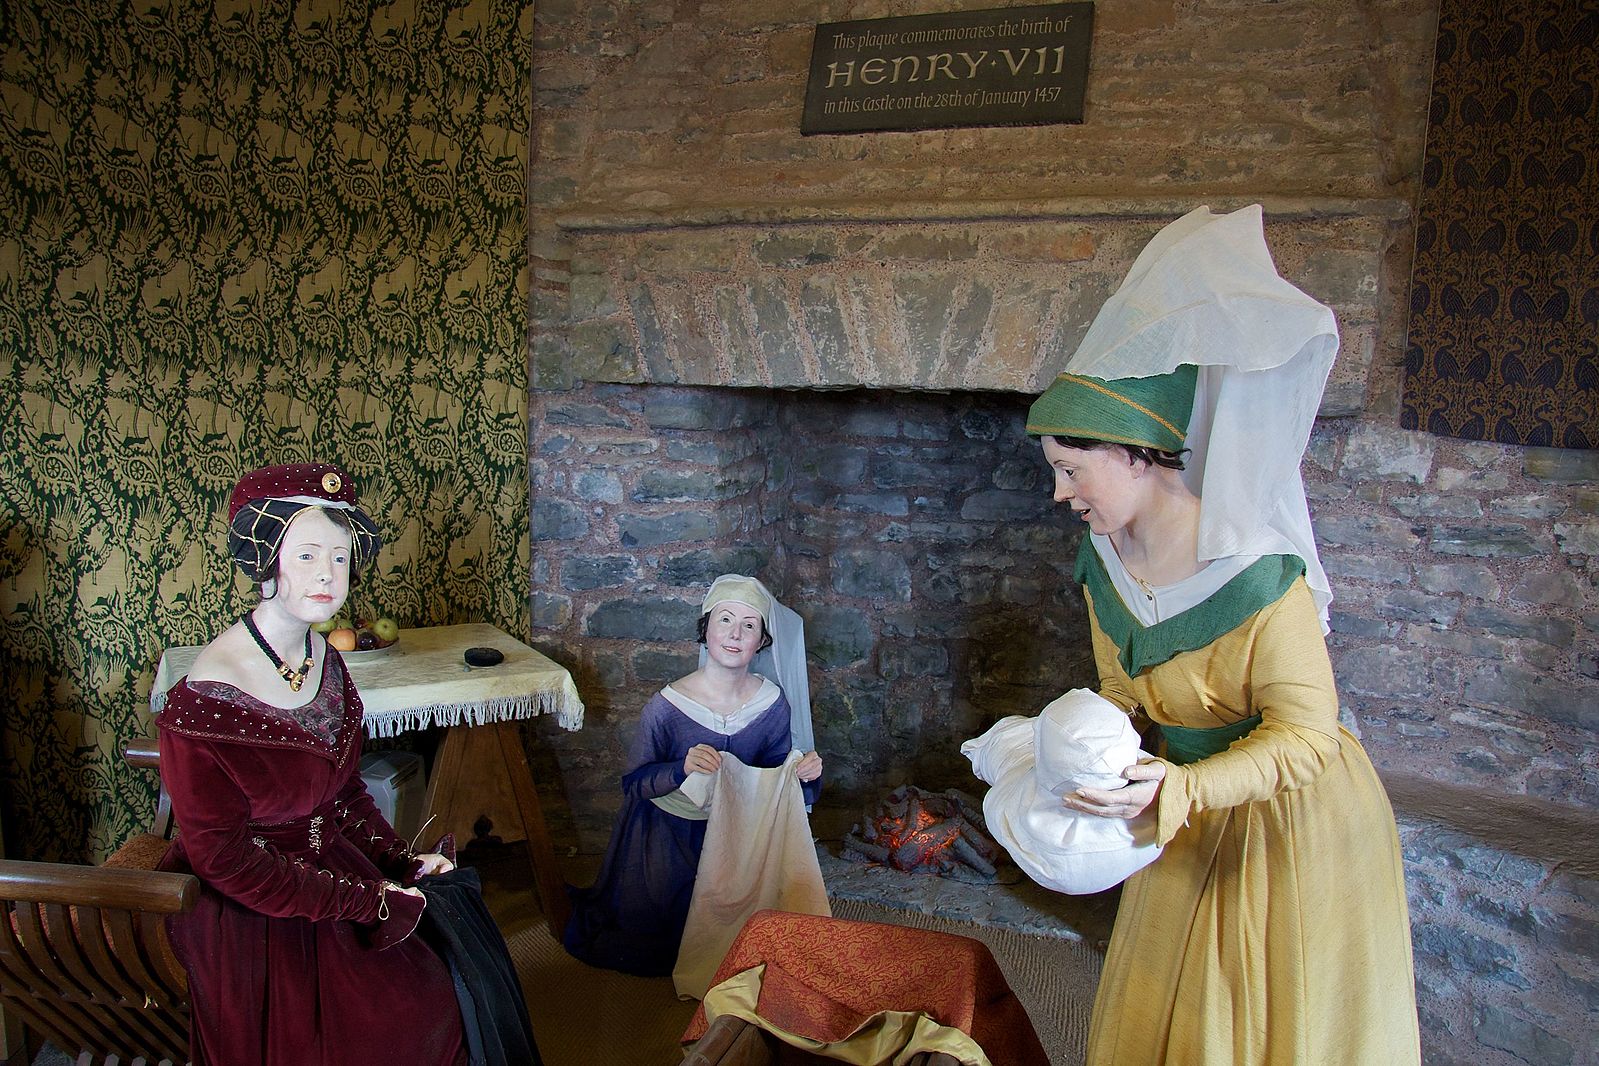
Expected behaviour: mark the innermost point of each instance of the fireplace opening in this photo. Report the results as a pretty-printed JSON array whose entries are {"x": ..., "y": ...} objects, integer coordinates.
[
  {"x": 922, "y": 832},
  {"x": 913, "y": 531}
]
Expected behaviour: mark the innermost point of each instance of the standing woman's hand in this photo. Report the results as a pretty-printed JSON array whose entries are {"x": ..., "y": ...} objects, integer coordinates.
[
  {"x": 1129, "y": 801},
  {"x": 702, "y": 758}
]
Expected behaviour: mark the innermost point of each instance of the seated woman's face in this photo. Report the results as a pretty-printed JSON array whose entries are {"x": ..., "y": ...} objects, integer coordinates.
[
  {"x": 313, "y": 567},
  {"x": 733, "y": 634}
]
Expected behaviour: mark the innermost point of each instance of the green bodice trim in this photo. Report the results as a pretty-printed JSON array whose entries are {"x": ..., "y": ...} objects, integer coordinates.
[
  {"x": 1140, "y": 647},
  {"x": 1185, "y": 745}
]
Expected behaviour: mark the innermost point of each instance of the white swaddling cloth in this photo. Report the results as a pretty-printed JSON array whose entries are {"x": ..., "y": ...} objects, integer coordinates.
[{"x": 1081, "y": 740}]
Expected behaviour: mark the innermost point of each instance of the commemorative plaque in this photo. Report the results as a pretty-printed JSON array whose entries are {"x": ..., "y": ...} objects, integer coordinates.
[{"x": 1008, "y": 66}]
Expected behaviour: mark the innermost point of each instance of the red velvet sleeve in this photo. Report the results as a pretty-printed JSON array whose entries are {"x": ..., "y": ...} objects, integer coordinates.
[
  {"x": 213, "y": 813},
  {"x": 359, "y": 819}
]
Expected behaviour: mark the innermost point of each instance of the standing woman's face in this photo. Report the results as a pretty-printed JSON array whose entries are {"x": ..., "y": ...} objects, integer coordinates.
[
  {"x": 1100, "y": 484},
  {"x": 313, "y": 568}
]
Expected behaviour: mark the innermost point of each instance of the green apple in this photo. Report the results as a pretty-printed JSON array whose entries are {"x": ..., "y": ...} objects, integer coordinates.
[
  {"x": 386, "y": 629},
  {"x": 329, "y": 626}
]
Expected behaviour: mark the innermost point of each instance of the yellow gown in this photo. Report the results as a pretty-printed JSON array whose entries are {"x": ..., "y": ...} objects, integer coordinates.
[{"x": 1273, "y": 929}]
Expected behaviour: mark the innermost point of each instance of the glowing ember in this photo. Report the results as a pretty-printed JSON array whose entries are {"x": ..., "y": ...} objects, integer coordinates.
[{"x": 927, "y": 833}]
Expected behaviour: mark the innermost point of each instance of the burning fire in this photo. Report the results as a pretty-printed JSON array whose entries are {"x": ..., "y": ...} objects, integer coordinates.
[{"x": 927, "y": 832}]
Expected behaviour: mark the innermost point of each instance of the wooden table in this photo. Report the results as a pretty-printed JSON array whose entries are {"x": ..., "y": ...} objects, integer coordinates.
[{"x": 480, "y": 770}]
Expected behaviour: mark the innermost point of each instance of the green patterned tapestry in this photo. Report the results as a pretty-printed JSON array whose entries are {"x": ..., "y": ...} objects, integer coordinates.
[{"x": 241, "y": 232}]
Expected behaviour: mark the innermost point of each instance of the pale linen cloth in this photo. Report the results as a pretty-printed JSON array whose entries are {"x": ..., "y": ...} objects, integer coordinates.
[
  {"x": 758, "y": 854},
  {"x": 423, "y": 681}
]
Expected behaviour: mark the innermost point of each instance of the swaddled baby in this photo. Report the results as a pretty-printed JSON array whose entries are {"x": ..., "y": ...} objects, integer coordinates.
[{"x": 1081, "y": 740}]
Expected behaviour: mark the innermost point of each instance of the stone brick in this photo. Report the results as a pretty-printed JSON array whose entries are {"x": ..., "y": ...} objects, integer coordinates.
[
  {"x": 1364, "y": 531},
  {"x": 597, "y": 486},
  {"x": 551, "y": 612},
  {"x": 777, "y": 335},
  {"x": 1378, "y": 453},
  {"x": 558, "y": 520},
  {"x": 1433, "y": 505},
  {"x": 718, "y": 452},
  {"x": 1380, "y": 568},
  {"x": 1578, "y": 538},
  {"x": 590, "y": 296},
  {"x": 895, "y": 661},
  {"x": 698, "y": 409},
  {"x": 1487, "y": 541},
  {"x": 1342, "y": 623},
  {"x": 982, "y": 425},
  {"x": 1555, "y": 631},
  {"x": 1564, "y": 465},
  {"x": 1410, "y": 606},
  {"x": 824, "y": 324},
  {"x": 643, "y": 618},
  {"x": 1532, "y": 506},
  {"x": 643, "y": 531},
  {"x": 1450, "y": 479},
  {"x": 925, "y": 246},
  {"x": 883, "y": 503},
  {"x": 720, "y": 483},
  {"x": 843, "y": 464},
  {"x": 1383, "y": 671},
  {"x": 1572, "y": 934},
  {"x": 1000, "y": 506},
  {"x": 1467, "y": 953},
  {"x": 870, "y": 421},
  {"x": 1522, "y": 1037},
  {"x": 556, "y": 445},
  {"x": 652, "y": 664},
  {"x": 1467, "y": 579},
  {"x": 697, "y": 569},
  {"x": 1478, "y": 645},
  {"x": 964, "y": 333},
  {"x": 933, "y": 429},
  {"x": 1021, "y": 475},
  {"x": 565, "y": 413},
  {"x": 902, "y": 473},
  {"x": 925, "y": 303},
  {"x": 597, "y": 571},
  {"x": 1533, "y": 692},
  {"x": 791, "y": 250},
  {"x": 1559, "y": 589},
  {"x": 602, "y": 351},
  {"x": 836, "y": 637},
  {"x": 872, "y": 574}
]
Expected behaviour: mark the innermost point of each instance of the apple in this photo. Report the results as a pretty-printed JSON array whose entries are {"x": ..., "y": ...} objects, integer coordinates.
[
  {"x": 329, "y": 625},
  {"x": 386, "y": 630},
  {"x": 342, "y": 638}
]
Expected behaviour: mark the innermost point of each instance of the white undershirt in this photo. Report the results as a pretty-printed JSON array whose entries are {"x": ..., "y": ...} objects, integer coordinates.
[
  {"x": 726, "y": 724},
  {"x": 1156, "y": 603}
]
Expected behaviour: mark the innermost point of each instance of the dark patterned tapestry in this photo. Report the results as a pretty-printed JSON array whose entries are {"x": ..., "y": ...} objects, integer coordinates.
[
  {"x": 1504, "y": 315},
  {"x": 233, "y": 233}
]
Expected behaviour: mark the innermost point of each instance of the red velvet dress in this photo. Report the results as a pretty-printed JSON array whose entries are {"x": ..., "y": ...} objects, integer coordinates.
[{"x": 293, "y": 954}]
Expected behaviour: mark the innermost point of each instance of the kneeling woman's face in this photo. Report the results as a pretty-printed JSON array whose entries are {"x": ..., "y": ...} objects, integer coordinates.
[
  {"x": 313, "y": 567},
  {"x": 733, "y": 635}
]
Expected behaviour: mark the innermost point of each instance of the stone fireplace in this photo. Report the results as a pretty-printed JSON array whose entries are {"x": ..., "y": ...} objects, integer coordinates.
[{"x": 837, "y": 408}]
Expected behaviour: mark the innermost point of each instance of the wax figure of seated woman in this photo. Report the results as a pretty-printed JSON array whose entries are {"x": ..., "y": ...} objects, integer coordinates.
[
  {"x": 301, "y": 949},
  {"x": 632, "y": 918}
]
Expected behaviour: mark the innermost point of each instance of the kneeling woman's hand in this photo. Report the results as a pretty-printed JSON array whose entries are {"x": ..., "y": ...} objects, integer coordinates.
[
  {"x": 1129, "y": 801},
  {"x": 434, "y": 863},
  {"x": 809, "y": 768},
  {"x": 702, "y": 758}
]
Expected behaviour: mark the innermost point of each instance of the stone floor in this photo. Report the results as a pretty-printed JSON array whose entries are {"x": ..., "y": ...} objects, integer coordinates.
[{"x": 1014, "y": 903}]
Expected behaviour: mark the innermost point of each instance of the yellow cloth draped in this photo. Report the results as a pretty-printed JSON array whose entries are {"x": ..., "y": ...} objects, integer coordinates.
[{"x": 1273, "y": 929}]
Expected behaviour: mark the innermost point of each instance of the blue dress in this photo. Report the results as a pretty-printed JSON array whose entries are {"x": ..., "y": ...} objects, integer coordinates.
[{"x": 632, "y": 918}]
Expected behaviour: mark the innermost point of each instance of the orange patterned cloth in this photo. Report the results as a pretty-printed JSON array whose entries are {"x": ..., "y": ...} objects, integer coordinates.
[{"x": 826, "y": 976}]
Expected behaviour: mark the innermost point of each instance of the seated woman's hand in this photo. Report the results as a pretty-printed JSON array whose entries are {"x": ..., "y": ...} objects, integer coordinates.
[
  {"x": 809, "y": 768},
  {"x": 392, "y": 887},
  {"x": 1129, "y": 801},
  {"x": 434, "y": 863},
  {"x": 702, "y": 758}
]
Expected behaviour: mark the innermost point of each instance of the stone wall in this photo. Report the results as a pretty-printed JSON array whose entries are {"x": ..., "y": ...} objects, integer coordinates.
[{"x": 683, "y": 232}]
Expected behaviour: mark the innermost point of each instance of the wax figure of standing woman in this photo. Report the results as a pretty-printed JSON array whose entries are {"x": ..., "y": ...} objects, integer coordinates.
[
  {"x": 1273, "y": 929},
  {"x": 301, "y": 950},
  {"x": 632, "y": 918}
]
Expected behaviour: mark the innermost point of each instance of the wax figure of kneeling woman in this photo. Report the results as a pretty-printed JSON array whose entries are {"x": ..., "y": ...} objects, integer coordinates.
[
  {"x": 632, "y": 918},
  {"x": 304, "y": 948}
]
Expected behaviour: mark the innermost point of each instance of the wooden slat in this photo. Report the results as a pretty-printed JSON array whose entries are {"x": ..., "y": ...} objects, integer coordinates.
[{"x": 126, "y": 992}]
